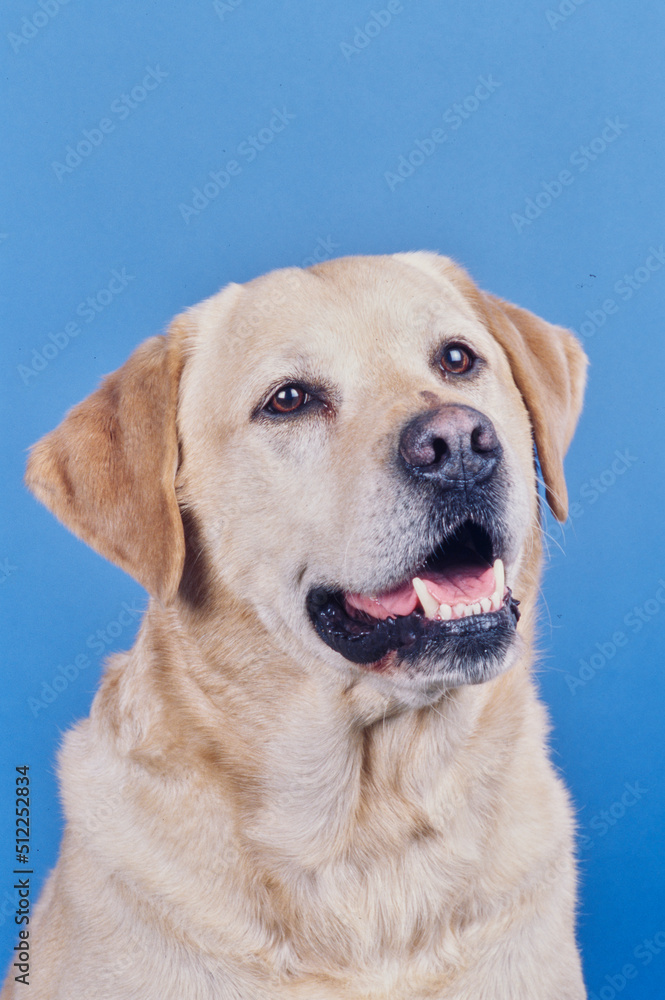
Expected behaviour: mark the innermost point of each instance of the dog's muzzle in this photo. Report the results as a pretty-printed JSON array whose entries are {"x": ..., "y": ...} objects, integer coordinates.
[{"x": 454, "y": 604}]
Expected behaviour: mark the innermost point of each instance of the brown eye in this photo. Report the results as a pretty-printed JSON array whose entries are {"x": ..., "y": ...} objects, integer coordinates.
[
  {"x": 287, "y": 400},
  {"x": 456, "y": 359}
]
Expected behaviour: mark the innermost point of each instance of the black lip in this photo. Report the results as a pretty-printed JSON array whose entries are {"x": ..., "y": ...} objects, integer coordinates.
[{"x": 412, "y": 636}]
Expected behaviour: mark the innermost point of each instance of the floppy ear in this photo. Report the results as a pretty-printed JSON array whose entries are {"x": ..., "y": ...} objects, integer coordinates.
[
  {"x": 549, "y": 368},
  {"x": 108, "y": 471}
]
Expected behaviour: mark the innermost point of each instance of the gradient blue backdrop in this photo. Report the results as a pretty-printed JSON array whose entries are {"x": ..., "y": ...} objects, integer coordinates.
[{"x": 355, "y": 107}]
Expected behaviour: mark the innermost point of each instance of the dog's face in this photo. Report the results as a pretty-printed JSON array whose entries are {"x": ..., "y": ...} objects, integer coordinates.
[
  {"x": 352, "y": 447},
  {"x": 357, "y": 434}
]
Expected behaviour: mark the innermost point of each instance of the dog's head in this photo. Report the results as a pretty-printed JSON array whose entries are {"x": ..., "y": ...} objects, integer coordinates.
[{"x": 347, "y": 452}]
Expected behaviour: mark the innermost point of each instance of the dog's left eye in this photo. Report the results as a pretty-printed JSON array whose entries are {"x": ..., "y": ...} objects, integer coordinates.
[
  {"x": 456, "y": 359},
  {"x": 288, "y": 399}
]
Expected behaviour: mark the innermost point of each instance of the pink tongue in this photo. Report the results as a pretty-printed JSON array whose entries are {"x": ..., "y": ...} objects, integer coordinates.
[{"x": 463, "y": 584}]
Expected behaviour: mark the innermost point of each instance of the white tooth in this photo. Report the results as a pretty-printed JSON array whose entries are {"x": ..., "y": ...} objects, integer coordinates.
[
  {"x": 485, "y": 604},
  {"x": 496, "y": 601},
  {"x": 499, "y": 578},
  {"x": 459, "y": 610},
  {"x": 468, "y": 611},
  {"x": 476, "y": 609},
  {"x": 429, "y": 603},
  {"x": 446, "y": 612}
]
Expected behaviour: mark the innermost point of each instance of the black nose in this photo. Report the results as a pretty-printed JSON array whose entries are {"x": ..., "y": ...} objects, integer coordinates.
[{"x": 454, "y": 445}]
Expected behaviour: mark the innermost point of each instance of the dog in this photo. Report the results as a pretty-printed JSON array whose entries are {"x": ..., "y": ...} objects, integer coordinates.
[{"x": 321, "y": 773}]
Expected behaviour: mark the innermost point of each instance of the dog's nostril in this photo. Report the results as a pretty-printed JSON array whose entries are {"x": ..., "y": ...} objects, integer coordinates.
[
  {"x": 439, "y": 450},
  {"x": 483, "y": 439}
]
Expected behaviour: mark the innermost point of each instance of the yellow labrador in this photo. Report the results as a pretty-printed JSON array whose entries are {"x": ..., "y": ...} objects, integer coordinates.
[{"x": 321, "y": 772}]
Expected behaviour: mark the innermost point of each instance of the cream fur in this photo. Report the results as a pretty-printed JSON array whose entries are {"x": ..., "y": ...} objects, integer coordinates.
[{"x": 249, "y": 816}]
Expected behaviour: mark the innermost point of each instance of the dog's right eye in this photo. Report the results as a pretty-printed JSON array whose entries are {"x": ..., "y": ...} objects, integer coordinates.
[
  {"x": 288, "y": 399},
  {"x": 456, "y": 359}
]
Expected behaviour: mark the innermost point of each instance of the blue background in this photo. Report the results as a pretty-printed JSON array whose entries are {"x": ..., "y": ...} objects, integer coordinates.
[{"x": 320, "y": 184}]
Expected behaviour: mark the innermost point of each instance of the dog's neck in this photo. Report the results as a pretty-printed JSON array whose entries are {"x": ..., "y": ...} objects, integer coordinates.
[{"x": 345, "y": 766}]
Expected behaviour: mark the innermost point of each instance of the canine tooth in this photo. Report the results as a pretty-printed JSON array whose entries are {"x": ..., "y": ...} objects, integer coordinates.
[
  {"x": 499, "y": 577},
  {"x": 485, "y": 604},
  {"x": 429, "y": 603},
  {"x": 459, "y": 610},
  {"x": 476, "y": 609},
  {"x": 446, "y": 612},
  {"x": 497, "y": 601}
]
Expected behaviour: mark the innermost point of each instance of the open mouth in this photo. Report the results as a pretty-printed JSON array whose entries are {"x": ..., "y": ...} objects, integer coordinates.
[{"x": 457, "y": 598}]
